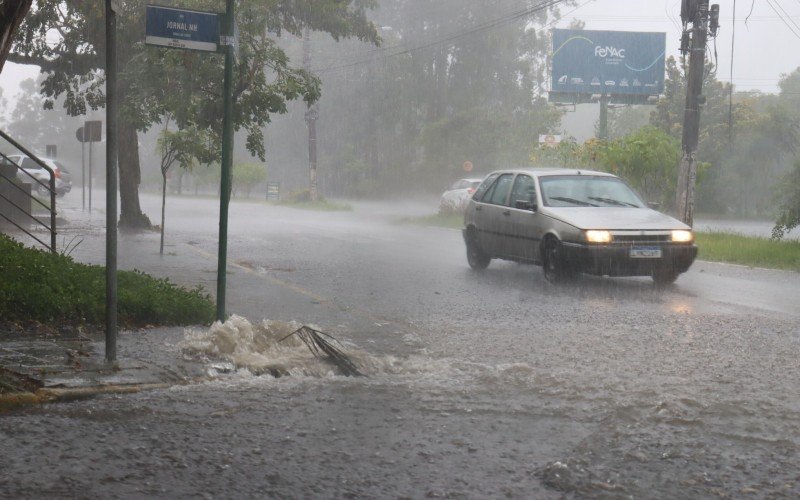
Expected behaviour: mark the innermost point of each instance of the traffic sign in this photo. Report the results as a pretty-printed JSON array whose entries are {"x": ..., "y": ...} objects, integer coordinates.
[{"x": 182, "y": 29}]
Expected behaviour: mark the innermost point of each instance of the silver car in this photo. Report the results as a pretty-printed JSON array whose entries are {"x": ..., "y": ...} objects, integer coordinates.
[
  {"x": 36, "y": 173},
  {"x": 573, "y": 221}
]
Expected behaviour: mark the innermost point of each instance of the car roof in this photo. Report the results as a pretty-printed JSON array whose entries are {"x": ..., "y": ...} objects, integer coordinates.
[{"x": 544, "y": 171}]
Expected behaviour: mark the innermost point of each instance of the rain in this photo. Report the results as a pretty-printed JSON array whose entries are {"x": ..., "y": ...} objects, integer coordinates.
[{"x": 364, "y": 351}]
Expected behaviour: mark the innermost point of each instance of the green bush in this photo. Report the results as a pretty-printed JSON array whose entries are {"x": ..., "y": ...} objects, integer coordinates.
[{"x": 53, "y": 289}]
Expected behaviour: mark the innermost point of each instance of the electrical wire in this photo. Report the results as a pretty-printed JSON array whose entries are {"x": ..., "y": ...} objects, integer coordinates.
[
  {"x": 795, "y": 33},
  {"x": 777, "y": 2},
  {"x": 452, "y": 36}
]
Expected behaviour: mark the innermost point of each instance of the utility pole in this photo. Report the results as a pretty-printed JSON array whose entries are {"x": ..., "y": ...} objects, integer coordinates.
[
  {"x": 696, "y": 13},
  {"x": 311, "y": 121}
]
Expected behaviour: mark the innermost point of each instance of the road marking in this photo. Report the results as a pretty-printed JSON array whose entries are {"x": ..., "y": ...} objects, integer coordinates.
[
  {"x": 302, "y": 291},
  {"x": 272, "y": 279}
]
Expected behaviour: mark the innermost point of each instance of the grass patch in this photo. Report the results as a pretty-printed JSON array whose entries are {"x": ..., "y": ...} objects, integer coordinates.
[
  {"x": 448, "y": 220},
  {"x": 748, "y": 250},
  {"x": 54, "y": 289}
]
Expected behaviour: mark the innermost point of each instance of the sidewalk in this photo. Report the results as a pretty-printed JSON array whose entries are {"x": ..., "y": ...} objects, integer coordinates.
[
  {"x": 39, "y": 366},
  {"x": 36, "y": 368}
]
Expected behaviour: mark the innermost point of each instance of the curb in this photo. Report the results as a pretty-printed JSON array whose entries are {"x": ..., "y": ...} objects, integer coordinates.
[{"x": 57, "y": 395}]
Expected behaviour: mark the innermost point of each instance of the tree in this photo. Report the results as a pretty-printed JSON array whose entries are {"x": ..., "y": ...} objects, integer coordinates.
[
  {"x": 11, "y": 16},
  {"x": 789, "y": 207},
  {"x": 647, "y": 159},
  {"x": 183, "y": 147},
  {"x": 265, "y": 80},
  {"x": 247, "y": 175},
  {"x": 447, "y": 89}
]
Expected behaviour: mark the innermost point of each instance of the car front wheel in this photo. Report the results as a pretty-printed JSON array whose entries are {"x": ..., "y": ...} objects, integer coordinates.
[
  {"x": 555, "y": 271},
  {"x": 476, "y": 257}
]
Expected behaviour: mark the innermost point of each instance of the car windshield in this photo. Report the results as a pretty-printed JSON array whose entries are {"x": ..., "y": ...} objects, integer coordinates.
[{"x": 587, "y": 191}]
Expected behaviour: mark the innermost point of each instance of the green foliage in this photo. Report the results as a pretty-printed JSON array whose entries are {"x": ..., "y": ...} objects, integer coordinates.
[
  {"x": 54, "y": 289},
  {"x": 248, "y": 175},
  {"x": 412, "y": 119},
  {"x": 748, "y": 250},
  {"x": 647, "y": 159},
  {"x": 789, "y": 209},
  {"x": 156, "y": 81},
  {"x": 566, "y": 153},
  {"x": 745, "y": 162}
]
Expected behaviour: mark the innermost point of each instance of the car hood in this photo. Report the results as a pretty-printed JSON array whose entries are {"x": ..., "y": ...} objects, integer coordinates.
[{"x": 614, "y": 218}]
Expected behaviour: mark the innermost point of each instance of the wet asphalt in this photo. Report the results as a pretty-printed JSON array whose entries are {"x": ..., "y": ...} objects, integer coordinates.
[{"x": 505, "y": 386}]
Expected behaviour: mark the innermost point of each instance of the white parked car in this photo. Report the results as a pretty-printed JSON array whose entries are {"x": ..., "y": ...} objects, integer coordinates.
[
  {"x": 455, "y": 198},
  {"x": 63, "y": 177}
]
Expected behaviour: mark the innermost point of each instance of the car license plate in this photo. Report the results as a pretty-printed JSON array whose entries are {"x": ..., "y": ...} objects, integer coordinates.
[{"x": 645, "y": 253}]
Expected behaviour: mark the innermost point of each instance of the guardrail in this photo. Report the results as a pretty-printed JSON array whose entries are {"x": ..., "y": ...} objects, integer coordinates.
[{"x": 50, "y": 188}]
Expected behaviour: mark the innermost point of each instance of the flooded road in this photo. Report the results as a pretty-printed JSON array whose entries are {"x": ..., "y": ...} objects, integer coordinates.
[{"x": 480, "y": 385}]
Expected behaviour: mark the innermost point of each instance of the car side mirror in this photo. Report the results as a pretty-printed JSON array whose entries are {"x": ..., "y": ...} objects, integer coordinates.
[
  {"x": 655, "y": 205},
  {"x": 525, "y": 205}
]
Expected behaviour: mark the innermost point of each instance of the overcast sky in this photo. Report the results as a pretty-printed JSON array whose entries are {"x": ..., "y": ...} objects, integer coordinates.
[{"x": 766, "y": 45}]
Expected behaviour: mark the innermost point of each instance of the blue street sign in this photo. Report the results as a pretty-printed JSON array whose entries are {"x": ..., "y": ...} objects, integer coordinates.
[
  {"x": 615, "y": 63},
  {"x": 183, "y": 29}
]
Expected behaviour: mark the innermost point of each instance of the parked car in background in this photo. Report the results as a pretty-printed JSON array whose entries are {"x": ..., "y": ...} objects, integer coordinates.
[
  {"x": 573, "y": 221},
  {"x": 63, "y": 177},
  {"x": 455, "y": 198}
]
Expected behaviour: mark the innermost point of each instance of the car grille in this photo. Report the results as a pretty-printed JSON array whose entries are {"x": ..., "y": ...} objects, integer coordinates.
[{"x": 641, "y": 239}]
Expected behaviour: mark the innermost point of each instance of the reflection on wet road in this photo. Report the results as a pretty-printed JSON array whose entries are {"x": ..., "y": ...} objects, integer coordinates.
[{"x": 481, "y": 385}]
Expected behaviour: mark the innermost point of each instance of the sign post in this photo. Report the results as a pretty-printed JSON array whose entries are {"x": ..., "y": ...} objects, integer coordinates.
[
  {"x": 227, "y": 160},
  {"x": 195, "y": 30},
  {"x": 79, "y": 136}
]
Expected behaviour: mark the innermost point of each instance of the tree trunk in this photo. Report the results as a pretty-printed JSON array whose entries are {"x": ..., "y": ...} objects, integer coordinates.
[
  {"x": 131, "y": 216},
  {"x": 163, "y": 209}
]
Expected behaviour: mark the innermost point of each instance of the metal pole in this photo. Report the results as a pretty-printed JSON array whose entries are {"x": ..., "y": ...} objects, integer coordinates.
[
  {"x": 227, "y": 160},
  {"x": 311, "y": 121},
  {"x": 687, "y": 175},
  {"x": 111, "y": 182},
  {"x": 83, "y": 175},
  {"x": 602, "y": 131},
  {"x": 90, "y": 174}
]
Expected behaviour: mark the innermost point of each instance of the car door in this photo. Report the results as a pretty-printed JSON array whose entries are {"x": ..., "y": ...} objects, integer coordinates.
[
  {"x": 494, "y": 223},
  {"x": 524, "y": 228}
]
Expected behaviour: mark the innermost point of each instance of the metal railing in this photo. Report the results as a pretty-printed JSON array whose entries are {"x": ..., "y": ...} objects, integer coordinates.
[{"x": 50, "y": 189}]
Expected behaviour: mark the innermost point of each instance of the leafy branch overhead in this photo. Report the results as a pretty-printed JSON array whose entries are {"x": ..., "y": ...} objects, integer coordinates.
[{"x": 66, "y": 39}]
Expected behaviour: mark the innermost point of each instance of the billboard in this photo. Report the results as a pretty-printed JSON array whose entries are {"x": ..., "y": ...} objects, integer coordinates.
[{"x": 621, "y": 64}]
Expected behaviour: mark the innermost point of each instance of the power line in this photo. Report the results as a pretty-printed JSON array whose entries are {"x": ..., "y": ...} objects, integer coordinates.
[
  {"x": 777, "y": 2},
  {"x": 795, "y": 33},
  {"x": 513, "y": 16}
]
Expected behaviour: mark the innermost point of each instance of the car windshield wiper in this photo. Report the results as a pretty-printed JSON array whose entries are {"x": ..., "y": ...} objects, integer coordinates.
[
  {"x": 573, "y": 201},
  {"x": 612, "y": 201}
]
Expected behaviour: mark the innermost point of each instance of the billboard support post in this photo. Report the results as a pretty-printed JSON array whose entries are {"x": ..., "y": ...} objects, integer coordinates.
[
  {"x": 687, "y": 170},
  {"x": 602, "y": 129}
]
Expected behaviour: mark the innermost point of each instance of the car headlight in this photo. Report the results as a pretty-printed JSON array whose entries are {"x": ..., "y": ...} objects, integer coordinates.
[
  {"x": 595, "y": 236},
  {"x": 682, "y": 236}
]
